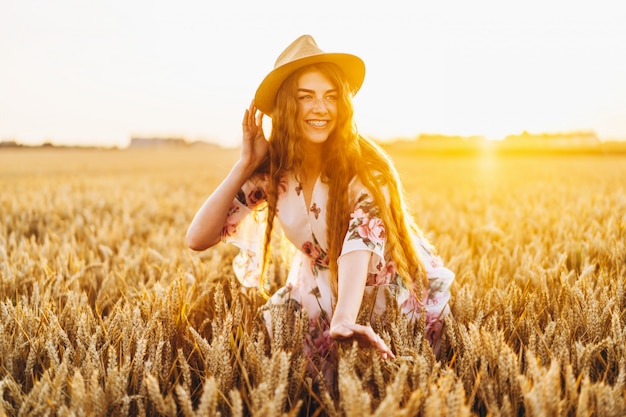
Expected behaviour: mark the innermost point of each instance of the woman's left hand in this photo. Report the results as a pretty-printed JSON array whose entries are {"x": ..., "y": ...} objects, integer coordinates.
[{"x": 364, "y": 335}]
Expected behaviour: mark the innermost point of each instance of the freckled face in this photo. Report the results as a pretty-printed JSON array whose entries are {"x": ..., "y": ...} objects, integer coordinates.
[{"x": 317, "y": 106}]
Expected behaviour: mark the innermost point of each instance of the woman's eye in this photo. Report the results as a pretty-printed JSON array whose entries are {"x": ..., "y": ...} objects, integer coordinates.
[
  {"x": 331, "y": 97},
  {"x": 305, "y": 97}
]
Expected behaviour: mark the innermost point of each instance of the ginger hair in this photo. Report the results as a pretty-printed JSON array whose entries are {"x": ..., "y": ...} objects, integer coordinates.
[{"x": 348, "y": 154}]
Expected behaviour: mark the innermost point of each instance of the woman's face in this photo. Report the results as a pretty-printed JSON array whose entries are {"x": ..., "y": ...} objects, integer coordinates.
[{"x": 317, "y": 99}]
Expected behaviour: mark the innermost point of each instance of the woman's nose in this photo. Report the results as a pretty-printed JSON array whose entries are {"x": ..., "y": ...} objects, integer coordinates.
[{"x": 319, "y": 105}]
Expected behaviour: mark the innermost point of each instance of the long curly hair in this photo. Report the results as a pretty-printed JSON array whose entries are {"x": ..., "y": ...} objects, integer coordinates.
[{"x": 347, "y": 155}]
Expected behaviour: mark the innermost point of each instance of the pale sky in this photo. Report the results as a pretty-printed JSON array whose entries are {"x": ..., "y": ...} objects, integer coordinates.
[{"x": 99, "y": 72}]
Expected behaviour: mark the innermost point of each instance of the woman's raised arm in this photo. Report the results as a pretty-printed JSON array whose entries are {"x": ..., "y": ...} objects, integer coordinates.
[{"x": 206, "y": 227}]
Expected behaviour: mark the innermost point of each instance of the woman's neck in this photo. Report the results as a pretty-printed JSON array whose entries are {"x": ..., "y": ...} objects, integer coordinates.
[{"x": 312, "y": 162}]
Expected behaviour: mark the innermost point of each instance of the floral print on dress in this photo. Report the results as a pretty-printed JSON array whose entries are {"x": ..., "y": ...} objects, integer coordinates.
[
  {"x": 241, "y": 198},
  {"x": 318, "y": 342},
  {"x": 229, "y": 230},
  {"x": 366, "y": 225},
  {"x": 256, "y": 196},
  {"x": 230, "y": 226},
  {"x": 313, "y": 250},
  {"x": 387, "y": 275},
  {"x": 315, "y": 210}
]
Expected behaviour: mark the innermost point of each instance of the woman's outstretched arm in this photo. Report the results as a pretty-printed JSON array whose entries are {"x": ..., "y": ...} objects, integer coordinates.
[
  {"x": 352, "y": 275},
  {"x": 206, "y": 227}
]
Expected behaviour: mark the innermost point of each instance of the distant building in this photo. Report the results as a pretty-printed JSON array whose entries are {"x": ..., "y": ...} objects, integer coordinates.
[{"x": 9, "y": 144}]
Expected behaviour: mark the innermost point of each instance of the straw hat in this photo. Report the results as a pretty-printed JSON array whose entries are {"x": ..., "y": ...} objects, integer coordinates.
[{"x": 304, "y": 51}]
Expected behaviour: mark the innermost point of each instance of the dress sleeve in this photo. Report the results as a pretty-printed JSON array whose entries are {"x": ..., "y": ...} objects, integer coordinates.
[
  {"x": 251, "y": 197},
  {"x": 366, "y": 230},
  {"x": 245, "y": 228}
]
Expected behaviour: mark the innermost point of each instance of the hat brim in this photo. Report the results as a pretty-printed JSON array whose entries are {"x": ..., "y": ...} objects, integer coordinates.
[{"x": 352, "y": 66}]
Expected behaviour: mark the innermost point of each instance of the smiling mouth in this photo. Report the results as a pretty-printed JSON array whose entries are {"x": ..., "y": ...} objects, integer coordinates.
[{"x": 317, "y": 123}]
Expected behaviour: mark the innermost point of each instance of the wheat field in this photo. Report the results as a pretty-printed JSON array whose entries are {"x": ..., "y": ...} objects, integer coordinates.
[{"x": 105, "y": 312}]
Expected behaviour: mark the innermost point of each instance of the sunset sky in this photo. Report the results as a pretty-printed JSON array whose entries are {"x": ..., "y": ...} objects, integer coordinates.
[{"x": 99, "y": 72}]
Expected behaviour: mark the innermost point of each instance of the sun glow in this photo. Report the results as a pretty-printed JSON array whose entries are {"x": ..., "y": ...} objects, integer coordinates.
[{"x": 73, "y": 74}]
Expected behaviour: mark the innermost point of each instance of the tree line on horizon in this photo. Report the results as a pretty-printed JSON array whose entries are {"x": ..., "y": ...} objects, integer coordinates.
[{"x": 579, "y": 141}]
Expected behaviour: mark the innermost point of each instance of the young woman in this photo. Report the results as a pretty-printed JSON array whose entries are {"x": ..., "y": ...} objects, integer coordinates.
[{"x": 337, "y": 198}]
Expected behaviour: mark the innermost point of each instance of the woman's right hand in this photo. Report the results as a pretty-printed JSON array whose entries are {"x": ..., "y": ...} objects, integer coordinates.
[{"x": 255, "y": 146}]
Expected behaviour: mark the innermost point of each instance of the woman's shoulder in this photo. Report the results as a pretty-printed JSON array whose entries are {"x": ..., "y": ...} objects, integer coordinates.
[{"x": 357, "y": 190}]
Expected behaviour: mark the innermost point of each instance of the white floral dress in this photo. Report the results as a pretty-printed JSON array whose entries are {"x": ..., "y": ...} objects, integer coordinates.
[{"x": 308, "y": 284}]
